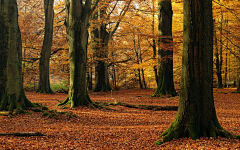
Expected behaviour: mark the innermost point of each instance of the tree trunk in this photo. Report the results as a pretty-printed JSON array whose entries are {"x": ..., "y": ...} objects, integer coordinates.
[
  {"x": 238, "y": 84},
  {"x": 196, "y": 115},
  {"x": 139, "y": 79},
  {"x": 77, "y": 22},
  {"x": 104, "y": 36},
  {"x": 218, "y": 64},
  {"x": 220, "y": 59},
  {"x": 154, "y": 42},
  {"x": 44, "y": 82},
  {"x": 101, "y": 36},
  {"x": 12, "y": 95},
  {"x": 165, "y": 51}
]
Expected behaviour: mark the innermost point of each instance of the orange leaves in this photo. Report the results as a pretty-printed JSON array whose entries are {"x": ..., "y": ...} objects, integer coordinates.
[{"x": 119, "y": 128}]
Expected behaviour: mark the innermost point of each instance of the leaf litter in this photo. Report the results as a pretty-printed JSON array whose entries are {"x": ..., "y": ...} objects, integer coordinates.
[{"x": 117, "y": 128}]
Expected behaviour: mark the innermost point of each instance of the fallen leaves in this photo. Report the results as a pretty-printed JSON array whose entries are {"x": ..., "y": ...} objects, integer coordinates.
[{"x": 120, "y": 128}]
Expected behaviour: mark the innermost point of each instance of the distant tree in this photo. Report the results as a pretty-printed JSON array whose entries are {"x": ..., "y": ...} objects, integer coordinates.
[
  {"x": 102, "y": 35},
  {"x": 165, "y": 50},
  {"x": 12, "y": 95},
  {"x": 77, "y": 23},
  {"x": 44, "y": 82},
  {"x": 196, "y": 115}
]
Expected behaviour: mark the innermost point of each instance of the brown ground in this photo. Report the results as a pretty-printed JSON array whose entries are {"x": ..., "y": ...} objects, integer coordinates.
[{"x": 122, "y": 128}]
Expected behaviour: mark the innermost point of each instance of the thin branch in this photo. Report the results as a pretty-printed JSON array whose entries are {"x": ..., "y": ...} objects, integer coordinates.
[
  {"x": 122, "y": 14},
  {"x": 94, "y": 7}
]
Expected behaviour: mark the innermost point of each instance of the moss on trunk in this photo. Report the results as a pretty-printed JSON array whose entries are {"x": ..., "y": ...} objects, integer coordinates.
[
  {"x": 44, "y": 81},
  {"x": 196, "y": 115},
  {"x": 77, "y": 23},
  {"x": 165, "y": 51},
  {"x": 12, "y": 95}
]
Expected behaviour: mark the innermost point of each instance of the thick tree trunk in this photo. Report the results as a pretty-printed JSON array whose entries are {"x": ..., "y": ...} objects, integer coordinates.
[
  {"x": 102, "y": 79},
  {"x": 12, "y": 95},
  {"x": 44, "y": 82},
  {"x": 165, "y": 51},
  {"x": 196, "y": 115},
  {"x": 101, "y": 51},
  {"x": 77, "y": 22},
  {"x": 104, "y": 36}
]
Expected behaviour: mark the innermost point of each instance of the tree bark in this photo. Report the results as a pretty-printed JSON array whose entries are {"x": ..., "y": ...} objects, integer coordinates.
[
  {"x": 196, "y": 115},
  {"x": 238, "y": 84},
  {"x": 44, "y": 82},
  {"x": 218, "y": 64},
  {"x": 77, "y": 23},
  {"x": 12, "y": 95},
  {"x": 101, "y": 36},
  {"x": 104, "y": 36},
  {"x": 165, "y": 51}
]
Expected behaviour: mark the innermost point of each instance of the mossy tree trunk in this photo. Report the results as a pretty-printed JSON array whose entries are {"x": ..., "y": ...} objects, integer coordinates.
[
  {"x": 196, "y": 115},
  {"x": 77, "y": 23},
  {"x": 165, "y": 50},
  {"x": 12, "y": 95},
  {"x": 44, "y": 82}
]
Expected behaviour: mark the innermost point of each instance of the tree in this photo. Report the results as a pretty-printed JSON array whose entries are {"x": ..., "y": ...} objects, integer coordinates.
[
  {"x": 12, "y": 95},
  {"x": 165, "y": 50},
  {"x": 196, "y": 116},
  {"x": 44, "y": 83},
  {"x": 103, "y": 37},
  {"x": 77, "y": 23},
  {"x": 218, "y": 63}
]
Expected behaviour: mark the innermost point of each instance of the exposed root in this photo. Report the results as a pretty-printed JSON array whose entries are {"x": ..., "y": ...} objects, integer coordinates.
[
  {"x": 146, "y": 107},
  {"x": 23, "y": 134},
  {"x": 176, "y": 132}
]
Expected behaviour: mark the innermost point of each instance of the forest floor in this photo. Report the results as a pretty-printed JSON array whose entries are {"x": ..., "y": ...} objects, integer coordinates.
[{"x": 118, "y": 128}]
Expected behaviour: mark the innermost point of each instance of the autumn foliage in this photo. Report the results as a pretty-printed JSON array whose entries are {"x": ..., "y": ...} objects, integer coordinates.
[{"x": 117, "y": 128}]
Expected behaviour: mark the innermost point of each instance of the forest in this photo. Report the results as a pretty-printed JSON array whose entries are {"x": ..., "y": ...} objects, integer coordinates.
[{"x": 119, "y": 74}]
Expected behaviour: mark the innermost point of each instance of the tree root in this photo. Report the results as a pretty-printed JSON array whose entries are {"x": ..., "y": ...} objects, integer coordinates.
[
  {"x": 5, "y": 113},
  {"x": 23, "y": 134},
  {"x": 176, "y": 132},
  {"x": 146, "y": 107}
]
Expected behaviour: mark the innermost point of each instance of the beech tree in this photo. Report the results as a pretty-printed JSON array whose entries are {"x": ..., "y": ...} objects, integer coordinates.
[
  {"x": 196, "y": 116},
  {"x": 165, "y": 50},
  {"x": 103, "y": 36},
  {"x": 12, "y": 95},
  {"x": 77, "y": 22},
  {"x": 44, "y": 82}
]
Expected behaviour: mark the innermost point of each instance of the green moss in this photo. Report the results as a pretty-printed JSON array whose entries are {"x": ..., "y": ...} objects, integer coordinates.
[
  {"x": 37, "y": 110},
  {"x": 37, "y": 104},
  {"x": 159, "y": 142},
  {"x": 53, "y": 111},
  {"x": 44, "y": 108},
  {"x": 60, "y": 113},
  {"x": 52, "y": 115},
  {"x": 15, "y": 112},
  {"x": 71, "y": 115},
  {"x": 45, "y": 114},
  {"x": 21, "y": 111}
]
